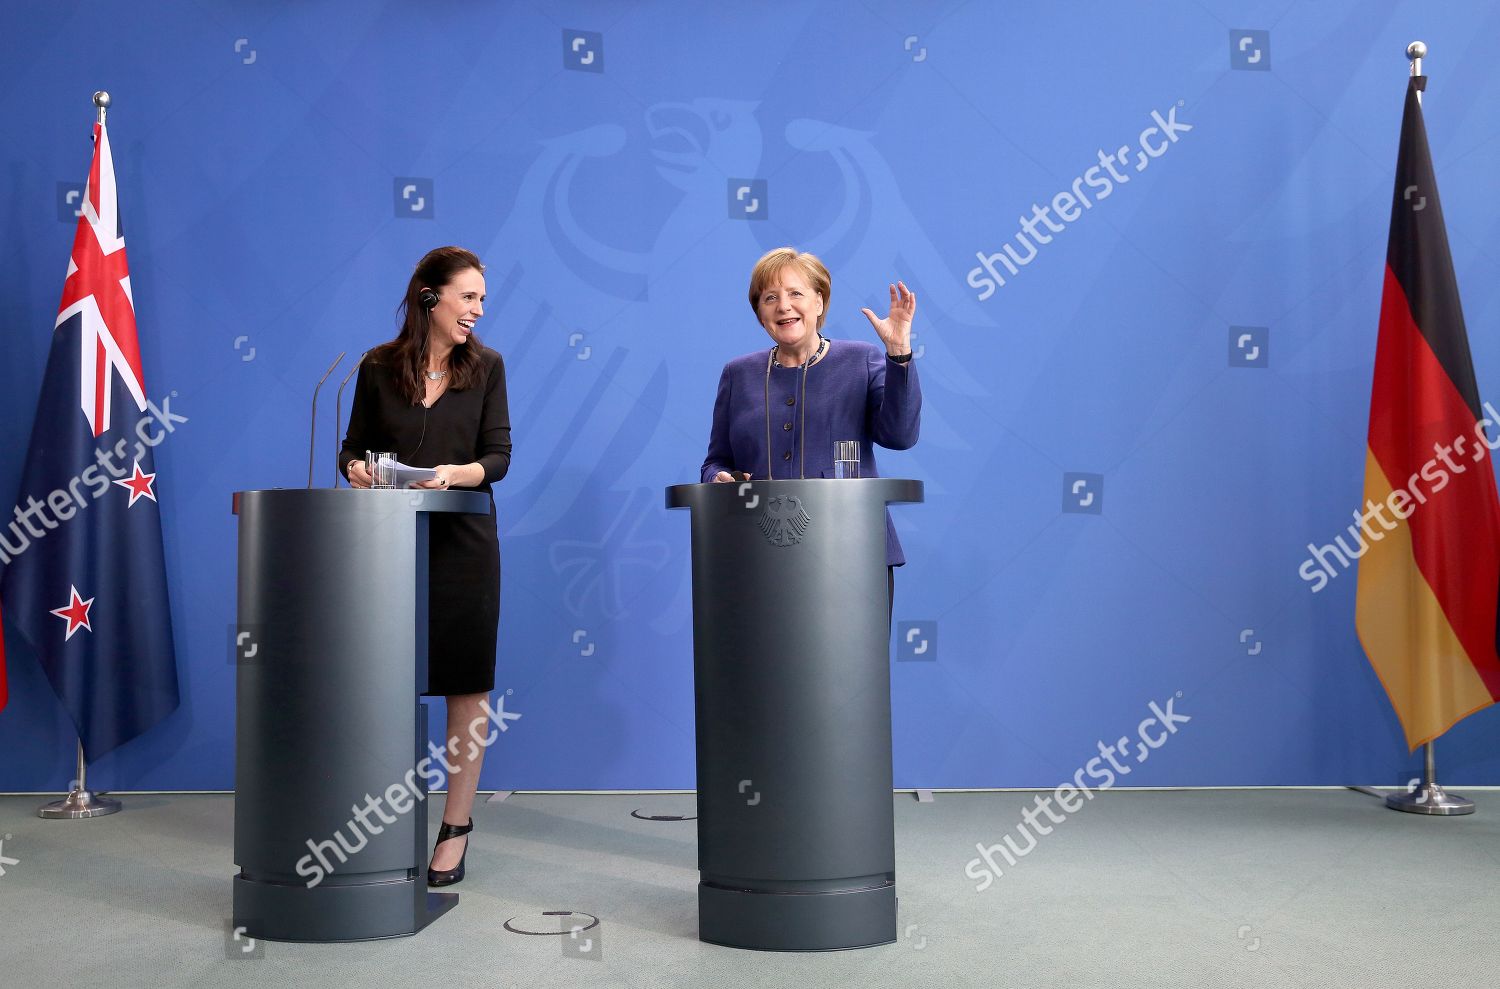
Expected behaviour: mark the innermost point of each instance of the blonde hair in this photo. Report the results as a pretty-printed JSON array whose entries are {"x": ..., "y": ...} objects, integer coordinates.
[{"x": 772, "y": 263}]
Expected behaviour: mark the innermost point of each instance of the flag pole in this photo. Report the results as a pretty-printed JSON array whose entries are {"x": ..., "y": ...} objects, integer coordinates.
[
  {"x": 80, "y": 802},
  {"x": 1427, "y": 797},
  {"x": 1416, "y": 51}
]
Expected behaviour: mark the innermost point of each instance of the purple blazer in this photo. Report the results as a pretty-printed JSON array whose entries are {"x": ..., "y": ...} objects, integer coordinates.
[{"x": 855, "y": 392}]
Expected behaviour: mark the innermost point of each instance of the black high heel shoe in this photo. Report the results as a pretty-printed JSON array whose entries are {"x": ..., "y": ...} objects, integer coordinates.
[{"x": 435, "y": 878}]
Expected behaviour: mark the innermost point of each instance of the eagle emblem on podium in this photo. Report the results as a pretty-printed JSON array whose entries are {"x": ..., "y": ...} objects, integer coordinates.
[{"x": 784, "y": 520}]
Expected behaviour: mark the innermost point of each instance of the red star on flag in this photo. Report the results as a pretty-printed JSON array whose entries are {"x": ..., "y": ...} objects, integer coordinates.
[
  {"x": 76, "y": 613},
  {"x": 139, "y": 485}
]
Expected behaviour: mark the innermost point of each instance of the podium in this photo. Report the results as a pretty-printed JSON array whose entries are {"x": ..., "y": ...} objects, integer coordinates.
[
  {"x": 331, "y": 653},
  {"x": 792, "y": 687}
]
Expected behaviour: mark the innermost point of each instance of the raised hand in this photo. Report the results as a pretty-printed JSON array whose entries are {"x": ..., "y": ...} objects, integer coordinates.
[{"x": 895, "y": 329}]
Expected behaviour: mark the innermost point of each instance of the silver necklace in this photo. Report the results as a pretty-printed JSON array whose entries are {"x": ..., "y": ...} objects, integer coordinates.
[
  {"x": 817, "y": 354},
  {"x": 436, "y": 375}
]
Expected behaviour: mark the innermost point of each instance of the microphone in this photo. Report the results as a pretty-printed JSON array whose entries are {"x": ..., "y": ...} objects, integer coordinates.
[
  {"x": 312, "y": 438},
  {"x": 338, "y": 411}
]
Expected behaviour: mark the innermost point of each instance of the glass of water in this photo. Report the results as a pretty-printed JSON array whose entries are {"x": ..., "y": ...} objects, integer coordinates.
[
  {"x": 846, "y": 458},
  {"x": 382, "y": 468}
]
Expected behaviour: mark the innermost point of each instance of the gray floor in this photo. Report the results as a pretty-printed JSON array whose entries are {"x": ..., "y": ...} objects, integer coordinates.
[{"x": 1195, "y": 888}]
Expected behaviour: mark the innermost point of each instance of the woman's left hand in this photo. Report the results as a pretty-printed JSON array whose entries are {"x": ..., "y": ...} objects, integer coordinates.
[
  {"x": 895, "y": 329},
  {"x": 447, "y": 477}
]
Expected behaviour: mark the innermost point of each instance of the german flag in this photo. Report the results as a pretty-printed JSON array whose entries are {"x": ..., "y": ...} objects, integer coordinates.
[{"x": 1429, "y": 584}]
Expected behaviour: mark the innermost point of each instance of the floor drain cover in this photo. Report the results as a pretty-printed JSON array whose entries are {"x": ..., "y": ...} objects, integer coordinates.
[
  {"x": 641, "y": 815},
  {"x": 552, "y": 922}
]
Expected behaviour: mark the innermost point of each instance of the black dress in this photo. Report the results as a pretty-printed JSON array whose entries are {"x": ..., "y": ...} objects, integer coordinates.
[{"x": 462, "y": 426}]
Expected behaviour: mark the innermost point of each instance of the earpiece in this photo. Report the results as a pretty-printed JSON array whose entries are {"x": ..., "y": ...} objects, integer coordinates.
[{"x": 428, "y": 298}]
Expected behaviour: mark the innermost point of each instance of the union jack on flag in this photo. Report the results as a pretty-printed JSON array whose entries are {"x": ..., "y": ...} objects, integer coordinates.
[
  {"x": 98, "y": 289},
  {"x": 85, "y": 583}
]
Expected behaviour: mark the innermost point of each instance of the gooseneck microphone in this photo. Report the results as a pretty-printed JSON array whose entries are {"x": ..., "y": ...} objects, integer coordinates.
[
  {"x": 338, "y": 414},
  {"x": 312, "y": 438}
]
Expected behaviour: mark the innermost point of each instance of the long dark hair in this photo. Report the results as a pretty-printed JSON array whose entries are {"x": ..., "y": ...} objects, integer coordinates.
[{"x": 407, "y": 354}]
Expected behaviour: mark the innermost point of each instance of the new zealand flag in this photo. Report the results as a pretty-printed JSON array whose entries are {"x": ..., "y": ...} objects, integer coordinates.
[{"x": 85, "y": 580}]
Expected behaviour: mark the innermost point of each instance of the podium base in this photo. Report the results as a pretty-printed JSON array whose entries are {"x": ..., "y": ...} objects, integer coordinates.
[
  {"x": 768, "y": 921},
  {"x": 324, "y": 914}
]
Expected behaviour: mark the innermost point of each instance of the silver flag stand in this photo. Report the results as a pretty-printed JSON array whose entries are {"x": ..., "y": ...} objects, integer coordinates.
[
  {"x": 80, "y": 802},
  {"x": 1428, "y": 797}
]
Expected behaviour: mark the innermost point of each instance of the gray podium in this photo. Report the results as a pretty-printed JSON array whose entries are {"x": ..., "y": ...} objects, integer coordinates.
[
  {"x": 791, "y": 676},
  {"x": 331, "y": 649}
]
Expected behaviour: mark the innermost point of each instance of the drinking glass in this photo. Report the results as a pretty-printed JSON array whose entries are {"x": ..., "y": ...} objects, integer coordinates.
[
  {"x": 382, "y": 468},
  {"x": 846, "y": 458}
]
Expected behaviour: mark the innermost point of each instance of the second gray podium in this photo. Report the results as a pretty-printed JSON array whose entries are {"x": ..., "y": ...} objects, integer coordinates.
[{"x": 791, "y": 678}]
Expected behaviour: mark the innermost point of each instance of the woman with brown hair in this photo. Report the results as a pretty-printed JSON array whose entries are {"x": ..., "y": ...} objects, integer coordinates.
[
  {"x": 435, "y": 396},
  {"x": 778, "y": 413}
]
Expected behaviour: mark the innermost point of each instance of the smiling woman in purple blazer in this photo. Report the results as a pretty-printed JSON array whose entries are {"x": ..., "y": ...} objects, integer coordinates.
[{"x": 779, "y": 412}]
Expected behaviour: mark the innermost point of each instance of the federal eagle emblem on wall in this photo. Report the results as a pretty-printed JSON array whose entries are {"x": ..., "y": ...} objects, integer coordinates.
[{"x": 784, "y": 520}]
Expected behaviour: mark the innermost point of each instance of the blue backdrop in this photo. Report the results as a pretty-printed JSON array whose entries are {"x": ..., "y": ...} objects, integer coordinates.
[{"x": 1127, "y": 445}]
